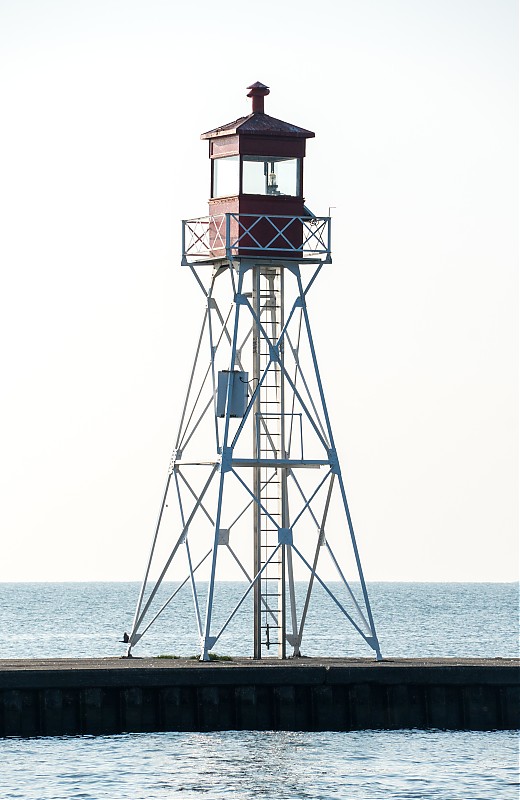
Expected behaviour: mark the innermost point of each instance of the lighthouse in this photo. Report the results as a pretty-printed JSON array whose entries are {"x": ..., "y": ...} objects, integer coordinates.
[{"x": 254, "y": 480}]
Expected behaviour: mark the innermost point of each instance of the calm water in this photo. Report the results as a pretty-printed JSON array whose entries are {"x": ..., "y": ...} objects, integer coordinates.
[
  {"x": 412, "y": 619},
  {"x": 316, "y": 766}
]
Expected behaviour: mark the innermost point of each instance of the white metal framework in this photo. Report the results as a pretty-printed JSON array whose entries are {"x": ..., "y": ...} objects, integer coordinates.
[{"x": 254, "y": 475}]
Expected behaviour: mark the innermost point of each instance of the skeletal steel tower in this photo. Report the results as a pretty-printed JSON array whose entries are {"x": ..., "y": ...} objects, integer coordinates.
[{"x": 254, "y": 476}]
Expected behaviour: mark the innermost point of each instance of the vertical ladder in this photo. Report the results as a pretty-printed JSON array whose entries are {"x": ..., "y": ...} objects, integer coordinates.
[{"x": 269, "y": 480}]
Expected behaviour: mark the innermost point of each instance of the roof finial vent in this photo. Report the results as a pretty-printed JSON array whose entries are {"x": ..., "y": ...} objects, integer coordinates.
[{"x": 257, "y": 92}]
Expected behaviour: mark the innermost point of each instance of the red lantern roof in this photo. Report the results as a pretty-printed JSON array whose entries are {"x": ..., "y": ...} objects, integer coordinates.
[{"x": 258, "y": 123}]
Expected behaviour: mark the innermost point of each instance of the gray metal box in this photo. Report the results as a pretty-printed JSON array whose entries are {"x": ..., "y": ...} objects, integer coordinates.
[{"x": 238, "y": 393}]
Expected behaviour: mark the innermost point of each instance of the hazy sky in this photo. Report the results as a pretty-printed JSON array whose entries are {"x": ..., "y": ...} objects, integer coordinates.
[{"x": 414, "y": 105}]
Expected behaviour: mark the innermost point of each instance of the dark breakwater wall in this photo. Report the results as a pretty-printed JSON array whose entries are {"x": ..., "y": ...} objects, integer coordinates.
[{"x": 87, "y": 696}]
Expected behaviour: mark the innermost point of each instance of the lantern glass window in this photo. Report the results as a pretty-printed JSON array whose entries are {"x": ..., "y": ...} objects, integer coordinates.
[
  {"x": 269, "y": 175},
  {"x": 226, "y": 173}
]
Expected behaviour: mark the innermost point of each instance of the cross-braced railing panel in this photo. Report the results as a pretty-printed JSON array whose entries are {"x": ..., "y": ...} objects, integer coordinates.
[{"x": 229, "y": 236}]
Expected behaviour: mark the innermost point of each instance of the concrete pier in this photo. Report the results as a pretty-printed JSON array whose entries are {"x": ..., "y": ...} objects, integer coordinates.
[{"x": 101, "y": 696}]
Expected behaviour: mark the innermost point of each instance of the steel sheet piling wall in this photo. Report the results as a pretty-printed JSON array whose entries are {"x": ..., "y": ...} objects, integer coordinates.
[{"x": 57, "y": 698}]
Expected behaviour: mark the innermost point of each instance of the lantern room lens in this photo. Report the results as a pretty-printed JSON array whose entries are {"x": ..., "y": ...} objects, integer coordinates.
[{"x": 271, "y": 176}]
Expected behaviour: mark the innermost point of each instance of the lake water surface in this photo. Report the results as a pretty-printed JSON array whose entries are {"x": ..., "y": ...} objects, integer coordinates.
[{"x": 59, "y": 620}]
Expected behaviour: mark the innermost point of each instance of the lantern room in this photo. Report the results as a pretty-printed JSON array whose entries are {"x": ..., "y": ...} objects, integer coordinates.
[
  {"x": 257, "y": 164},
  {"x": 256, "y": 207}
]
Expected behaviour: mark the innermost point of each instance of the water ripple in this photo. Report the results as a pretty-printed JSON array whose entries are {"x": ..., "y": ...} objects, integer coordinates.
[{"x": 360, "y": 765}]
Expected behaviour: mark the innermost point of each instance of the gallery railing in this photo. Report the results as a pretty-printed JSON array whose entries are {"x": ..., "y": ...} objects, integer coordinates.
[{"x": 229, "y": 236}]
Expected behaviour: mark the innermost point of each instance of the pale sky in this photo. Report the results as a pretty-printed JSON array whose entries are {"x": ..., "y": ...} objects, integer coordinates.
[{"x": 414, "y": 105}]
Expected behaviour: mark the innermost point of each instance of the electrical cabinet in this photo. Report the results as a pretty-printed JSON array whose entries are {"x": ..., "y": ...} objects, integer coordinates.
[{"x": 238, "y": 400}]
